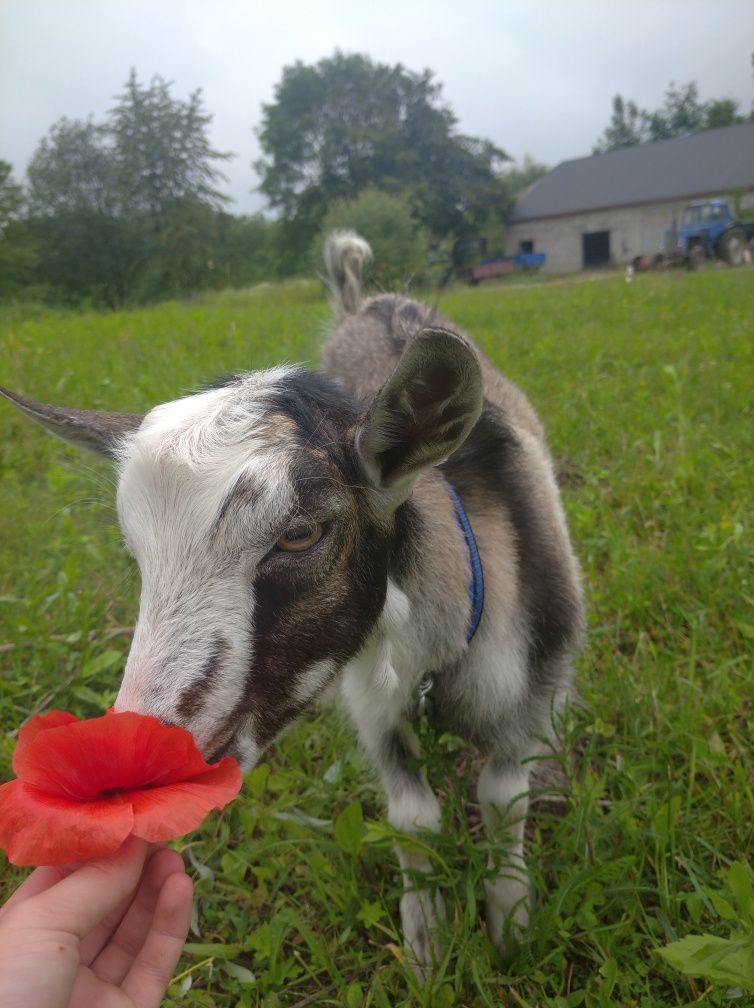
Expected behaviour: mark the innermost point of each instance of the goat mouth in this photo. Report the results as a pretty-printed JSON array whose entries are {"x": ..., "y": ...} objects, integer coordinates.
[{"x": 227, "y": 748}]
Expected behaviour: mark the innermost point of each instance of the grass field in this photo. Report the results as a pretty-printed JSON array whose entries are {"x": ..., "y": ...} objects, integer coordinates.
[{"x": 647, "y": 391}]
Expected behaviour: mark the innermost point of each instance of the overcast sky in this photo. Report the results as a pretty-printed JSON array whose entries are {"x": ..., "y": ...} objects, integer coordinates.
[{"x": 535, "y": 76}]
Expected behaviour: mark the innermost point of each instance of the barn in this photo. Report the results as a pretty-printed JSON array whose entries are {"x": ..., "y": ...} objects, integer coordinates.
[{"x": 609, "y": 208}]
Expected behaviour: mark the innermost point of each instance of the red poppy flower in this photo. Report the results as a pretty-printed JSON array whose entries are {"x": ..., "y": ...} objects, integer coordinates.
[{"x": 84, "y": 786}]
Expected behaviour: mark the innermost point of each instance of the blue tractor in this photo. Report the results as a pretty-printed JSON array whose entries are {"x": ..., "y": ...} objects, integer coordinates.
[{"x": 709, "y": 230}]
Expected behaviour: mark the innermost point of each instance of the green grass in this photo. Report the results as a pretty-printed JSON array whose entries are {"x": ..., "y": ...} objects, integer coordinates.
[{"x": 646, "y": 390}]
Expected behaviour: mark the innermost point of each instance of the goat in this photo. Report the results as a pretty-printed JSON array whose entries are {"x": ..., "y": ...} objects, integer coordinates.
[{"x": 293, "y": 529}]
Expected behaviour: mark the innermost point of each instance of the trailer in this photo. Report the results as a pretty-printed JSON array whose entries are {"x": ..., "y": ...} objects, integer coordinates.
[
  {"x": 502, "y": 265},
  {"x": 469, "y": 262}
]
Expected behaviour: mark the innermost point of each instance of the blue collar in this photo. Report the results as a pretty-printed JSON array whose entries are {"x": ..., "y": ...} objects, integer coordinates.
[{"x": 476, "y": 582}]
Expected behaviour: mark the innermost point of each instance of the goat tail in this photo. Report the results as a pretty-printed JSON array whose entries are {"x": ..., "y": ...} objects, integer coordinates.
[{"x": 346, "y": 254}]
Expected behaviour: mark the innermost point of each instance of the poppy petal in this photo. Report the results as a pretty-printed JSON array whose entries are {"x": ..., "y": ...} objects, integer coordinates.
[
  {"x": 39, "y": 828},
  {"x": 32, "y": 728},
  {"x": 174, "y": 809},
  {"x": 116, "y": 752}
]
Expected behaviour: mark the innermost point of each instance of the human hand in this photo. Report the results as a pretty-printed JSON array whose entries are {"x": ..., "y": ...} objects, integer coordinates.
[{"x": 106, "y": 933}]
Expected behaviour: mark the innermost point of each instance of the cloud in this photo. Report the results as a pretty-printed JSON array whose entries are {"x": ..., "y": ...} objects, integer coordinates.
[{"x": 536, "y": 78}]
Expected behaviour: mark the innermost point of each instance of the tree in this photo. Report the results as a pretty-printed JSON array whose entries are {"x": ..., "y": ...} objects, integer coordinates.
[
  {"x": 11, "y": 198},
  {"x": 517, "y": 178},
  {"x": 161, "y": 151},
  {"x": 722, "y": 112},
  {"x": 128, "y": 209},
  {"x": 17, "y": 256},
  {"x": 348, "y": 123},
  {"x": 458, "y": 185},
  {"x": 627, "y": 127},
  {"x": 251, "y": 250},
  {"x": 680, "y": 114},
  {"x": 74, "y": 215},
  {"x": 71, "y": 170}
]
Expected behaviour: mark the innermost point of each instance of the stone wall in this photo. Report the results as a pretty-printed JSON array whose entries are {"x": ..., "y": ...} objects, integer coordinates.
[{"x": 636, "y": 230}]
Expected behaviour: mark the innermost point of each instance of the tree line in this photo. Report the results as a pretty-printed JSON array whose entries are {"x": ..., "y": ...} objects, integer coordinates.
[
  {"x": 681, "y": 113},
  {"x": 131, "y": 209},
  {"x": 124, "y": 211}
]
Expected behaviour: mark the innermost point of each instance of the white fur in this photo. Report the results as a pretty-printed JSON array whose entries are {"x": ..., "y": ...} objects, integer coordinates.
[
  {"x": 376, "y": 695},
  {"x": 375, "y": 692},
  {"x": 409, "y": 811},
  {"x": 175, "y": 473},
  {"x": 247, "y": 751},
  {"x": 503, "y": 797},
  {"x": 496, "y": 666},
  {"x": 422, "y": 911},
  {"x": 395, "y": 616},
  {"x": 372, "y": 707},
  {"x": 314, "y": 681},
  {"x": 374, "y": 710}
]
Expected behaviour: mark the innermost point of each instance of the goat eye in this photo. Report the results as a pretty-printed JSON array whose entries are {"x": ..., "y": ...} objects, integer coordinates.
[{"x": 299, "y": 537}]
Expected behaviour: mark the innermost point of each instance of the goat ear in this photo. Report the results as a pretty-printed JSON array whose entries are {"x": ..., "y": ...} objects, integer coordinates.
[
  {"x": 423, "y": 413},
  {"x": 95, "y": 430}
]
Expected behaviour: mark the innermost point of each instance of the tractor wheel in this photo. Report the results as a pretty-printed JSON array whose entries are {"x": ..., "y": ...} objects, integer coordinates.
[{"x": 732, "y": 245}]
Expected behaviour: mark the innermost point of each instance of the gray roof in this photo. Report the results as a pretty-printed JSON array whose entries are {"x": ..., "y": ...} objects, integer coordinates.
[{"x": 710, "y": 162}]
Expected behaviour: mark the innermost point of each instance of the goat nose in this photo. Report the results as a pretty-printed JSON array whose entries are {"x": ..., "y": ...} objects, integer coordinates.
[
  {"x": 134, "y": 687},
  {"x": 132, "y": 697},
  {"x": 126, "y": 701}
]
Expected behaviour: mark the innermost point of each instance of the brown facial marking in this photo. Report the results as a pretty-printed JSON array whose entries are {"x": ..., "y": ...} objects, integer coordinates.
[
  {"x": 318, "y": 604},
  {"x": 192, "y": 698}
]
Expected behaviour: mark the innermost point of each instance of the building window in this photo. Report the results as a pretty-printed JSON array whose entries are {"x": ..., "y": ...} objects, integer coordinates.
[
  {"x": 526, "y": 246},
  {"x": 596, "y": 248}
]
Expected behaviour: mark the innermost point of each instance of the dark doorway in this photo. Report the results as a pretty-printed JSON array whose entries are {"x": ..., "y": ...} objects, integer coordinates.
[
  {"x": 526, "y": 246},
  {"x": 596, "y": 247}
]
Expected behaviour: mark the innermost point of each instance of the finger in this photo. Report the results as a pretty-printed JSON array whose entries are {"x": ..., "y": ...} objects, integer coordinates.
[
  {"x": 81, "y": 900},
  {"x": 93, "y": 943},
  {"x": 44, "y": 878},
  {"x": 89, "y": 991},
  {"x": 40, "y": 880},
  {"x": 104, "y": 932},
  {"x": 118, "y": 954},
  {"x": 150, "y": 974}
]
